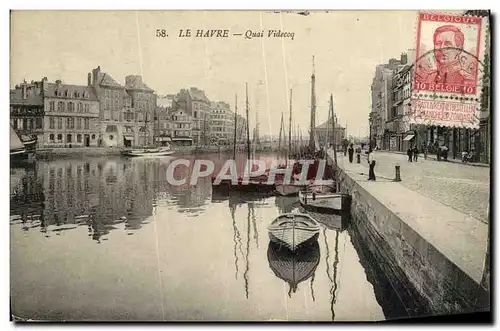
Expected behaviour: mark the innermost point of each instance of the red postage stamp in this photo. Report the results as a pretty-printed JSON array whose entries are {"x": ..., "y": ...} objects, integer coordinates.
[{"x": 447, "y": 53}]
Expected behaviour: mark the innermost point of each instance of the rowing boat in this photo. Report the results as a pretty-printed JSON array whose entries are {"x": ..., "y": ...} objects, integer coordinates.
[{"x": 293, "y": 230}]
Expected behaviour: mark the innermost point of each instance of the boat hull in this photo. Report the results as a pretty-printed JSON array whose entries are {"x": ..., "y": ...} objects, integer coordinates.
[
  {"x": 257, "y": 185},
  {"x": 329, "y": 203},
  {"x": 291, "y": 243},
  {"x": 144, "y": 153},
  {"x": 293, "y": 230},
  {"x": 22, "y": 159}
]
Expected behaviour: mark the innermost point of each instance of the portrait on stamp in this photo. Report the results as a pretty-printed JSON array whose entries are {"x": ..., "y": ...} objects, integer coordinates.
[{"x": 447, "y": 53}]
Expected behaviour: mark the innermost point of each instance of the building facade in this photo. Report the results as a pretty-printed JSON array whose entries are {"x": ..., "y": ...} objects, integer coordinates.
[
  {"x": 181, "y": 123},
  {"x": 221, "y": 123},
  {"x": 126, "y": 112},
  {"x": 195, "y": 103},
  {"x": 381, "y": 90},
  {"x": 397, "y": 124},
  {"x": 27, "y": 112},
  {"x": 324, "y": 133},
  {"x": 72, "y": 115}
]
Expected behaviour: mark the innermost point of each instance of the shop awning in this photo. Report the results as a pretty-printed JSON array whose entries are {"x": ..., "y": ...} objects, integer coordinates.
[
  {"x": 182, "y": 139},
  {"x": 409, "y": 137}
]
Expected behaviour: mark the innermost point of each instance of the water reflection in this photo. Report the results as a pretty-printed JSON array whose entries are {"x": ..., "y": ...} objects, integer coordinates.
[
  {"x": 332, "y": 278},
  {"x": 294, "y": 267},
  {"x": 101, "y": 194},
  {"x": 223, "y": 271}
]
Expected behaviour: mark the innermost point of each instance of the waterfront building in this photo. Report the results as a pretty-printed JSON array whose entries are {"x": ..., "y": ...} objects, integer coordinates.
[
  {"x": 126, "y": 112},
  {"x": 221, "y": 123},
  {"x": 27, "y": 110},
  {"x": 71, "y": 115},
  {"x": 381, "y": 91},
  {"x": 397, "y": 124},
  {"x": 181, "y": 123},
  {"x": 324, "y": 133},
  {"x": 195, "y": 103}
]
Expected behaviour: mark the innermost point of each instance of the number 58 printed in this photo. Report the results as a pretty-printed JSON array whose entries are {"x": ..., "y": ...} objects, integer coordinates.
[{"x": 161, "y": 33}]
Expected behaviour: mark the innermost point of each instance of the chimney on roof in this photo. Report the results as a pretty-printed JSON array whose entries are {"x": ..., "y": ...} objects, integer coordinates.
[
  {"x": 24, "y": 91},
  {"x": 45, "y": 84},
  {"x": 89, "y": 79},
  {"x": 95, "y": 75},
  {"x": 404, "y": 58}
]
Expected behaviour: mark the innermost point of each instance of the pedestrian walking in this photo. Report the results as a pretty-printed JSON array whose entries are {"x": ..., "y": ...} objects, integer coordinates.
[
  {"x": 371, "y": 162},
  {"x": 351, "y": 152},
  {"x": 415, "y": 153},
  {"x": 426, "y": 150},
  {"x": 409, "y": 152}
]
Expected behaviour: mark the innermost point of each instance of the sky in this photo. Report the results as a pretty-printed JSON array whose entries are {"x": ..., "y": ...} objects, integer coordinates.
[{"x": 346, "y": 46}]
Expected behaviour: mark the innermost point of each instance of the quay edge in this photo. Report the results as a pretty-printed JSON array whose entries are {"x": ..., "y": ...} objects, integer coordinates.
[{"x": 434, "y": 269}]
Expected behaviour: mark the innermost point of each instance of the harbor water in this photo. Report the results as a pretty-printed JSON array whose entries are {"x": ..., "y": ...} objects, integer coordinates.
[{"x": 110, "y": 239}]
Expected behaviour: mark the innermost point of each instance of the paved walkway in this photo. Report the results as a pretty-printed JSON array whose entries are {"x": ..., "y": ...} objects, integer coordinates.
[
  {"x": 464, "y": 188},
  {"x": 459, "y": 236},
  {"x": 433, "y": 157}
]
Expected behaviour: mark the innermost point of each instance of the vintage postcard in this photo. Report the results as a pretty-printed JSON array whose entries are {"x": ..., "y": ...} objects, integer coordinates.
[{"x": 251, "y": 166}]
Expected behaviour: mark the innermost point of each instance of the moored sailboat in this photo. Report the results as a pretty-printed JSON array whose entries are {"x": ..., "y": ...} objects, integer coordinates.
[
  {"x": 326, "y": 199},
  {"x": 18, "y": 152},
  {"x": 254, "y": 183}
]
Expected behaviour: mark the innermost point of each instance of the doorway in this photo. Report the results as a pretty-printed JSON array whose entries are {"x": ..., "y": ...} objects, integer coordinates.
[
  {"x": 127, "y": 142},
  {"x": 87, "y": 140}
]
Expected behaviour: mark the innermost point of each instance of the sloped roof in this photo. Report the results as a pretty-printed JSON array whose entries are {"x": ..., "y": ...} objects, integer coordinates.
[
  {"x": 16, "y": 98},
  {"x": 106, "y": 80},
  {"x": 328, "y": 125},
  {"x": 53, "y": 87},
  {"x": 136, "y": 83},
  {"x": 198, "y": 95}
]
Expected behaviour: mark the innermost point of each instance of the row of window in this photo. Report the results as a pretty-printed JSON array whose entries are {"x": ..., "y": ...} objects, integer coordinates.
[
  {"x": 27, "y": 123},
  {"x": 69, "y": 107},
  {"x": 70, "y": 123},
  {"x": 402, "y": 94},
  {"x": 182, "y": 133},
  {"x": 183, "y": 126},
  {"x": 68, "y": 94},
  {"x": 222, "y": 117},
  {"x": 200, "y": 106},
  {"x": 69, "y": 137},
  {"x": 128, "y": 116},
  {"x": 180, "y": 118}
]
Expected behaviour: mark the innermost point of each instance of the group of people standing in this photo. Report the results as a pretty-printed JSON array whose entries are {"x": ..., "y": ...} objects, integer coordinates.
[
  {"x": 412, "y": 154},
  {"x": 371, "y": 159}
]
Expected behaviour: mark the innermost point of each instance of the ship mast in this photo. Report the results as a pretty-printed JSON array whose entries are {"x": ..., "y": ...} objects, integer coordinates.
[
  {"x": 312, "y": 145},
  {"x": 281, "y": 131},
  {"x": 248, "y": 121},
  {"x": 235, "y": 125},
  {"x": 289, "y": 131},
  {"x": 332, "y": 112}
]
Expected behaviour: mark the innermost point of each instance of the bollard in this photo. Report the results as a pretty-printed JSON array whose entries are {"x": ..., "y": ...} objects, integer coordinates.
[
  {"x": 398, "y": 174},
  {"x": 358, "y": 158}
]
